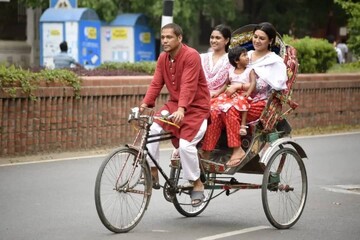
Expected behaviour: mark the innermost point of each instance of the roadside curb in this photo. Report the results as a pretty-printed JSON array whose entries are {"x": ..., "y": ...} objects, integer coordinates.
[
  {"x": 66, "y": 156},
  {"x": 62, "y": 156}
]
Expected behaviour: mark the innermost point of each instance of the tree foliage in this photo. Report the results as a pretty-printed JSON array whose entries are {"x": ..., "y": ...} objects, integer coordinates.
[
  {"x": 185, "y": 12},
  {"x": 43, "y": 4},
  {"x": 297, "y": 17},
  {"x": 353, "y": 10},
  {"x": 106, "y": 9}
]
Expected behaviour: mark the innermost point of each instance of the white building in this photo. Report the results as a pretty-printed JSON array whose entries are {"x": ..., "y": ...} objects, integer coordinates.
[{"x": 19, "y": 35}]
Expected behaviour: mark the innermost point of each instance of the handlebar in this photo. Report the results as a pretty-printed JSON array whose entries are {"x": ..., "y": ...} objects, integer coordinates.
[
  {"x": 166, "y": 121},
  {"x": 146, "y": 117}
]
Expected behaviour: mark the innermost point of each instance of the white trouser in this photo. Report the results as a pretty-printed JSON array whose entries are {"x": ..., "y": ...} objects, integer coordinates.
[{"x": 187, "y": 151}]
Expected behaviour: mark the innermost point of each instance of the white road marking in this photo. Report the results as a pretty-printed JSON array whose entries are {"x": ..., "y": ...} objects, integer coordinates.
[
  {"x": 64, "y": 159},
  {"x": 52, "y": 160},
  {"x": 233, "y": 233},
  {"x": 160, "y": 231},
  {"x": 349, "y": 189}
]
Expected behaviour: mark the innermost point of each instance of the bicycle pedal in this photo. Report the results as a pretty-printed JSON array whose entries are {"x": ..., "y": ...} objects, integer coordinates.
[{"x": 156, "y": 186}]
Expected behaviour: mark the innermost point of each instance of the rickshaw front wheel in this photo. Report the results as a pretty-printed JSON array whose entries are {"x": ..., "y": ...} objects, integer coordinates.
[{"x": 284, "y": 188}]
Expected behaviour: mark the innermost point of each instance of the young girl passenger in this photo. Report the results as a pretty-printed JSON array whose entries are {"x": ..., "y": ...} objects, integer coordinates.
[{"x": 242, "y": 81}]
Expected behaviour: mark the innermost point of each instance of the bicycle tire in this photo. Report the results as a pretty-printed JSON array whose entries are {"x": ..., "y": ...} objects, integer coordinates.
[
  {"x": 122, "y": 190},
  {"x": 284, "y": 188},
  {"x": 181, "y": 199}
]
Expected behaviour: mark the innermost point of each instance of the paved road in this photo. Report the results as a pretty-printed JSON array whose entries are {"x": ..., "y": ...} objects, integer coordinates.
[{"x": 54, "y": 200}]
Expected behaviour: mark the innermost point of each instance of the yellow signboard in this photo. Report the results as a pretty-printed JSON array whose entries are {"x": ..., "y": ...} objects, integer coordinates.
[
  {"x": 145, "y": 37},
  {"x": 54, "y": 32},
  {"x": 119, "y": 34},
  {"x": 91, "y": 32}
]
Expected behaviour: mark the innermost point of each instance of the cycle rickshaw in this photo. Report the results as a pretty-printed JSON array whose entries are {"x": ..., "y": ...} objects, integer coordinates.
[{"x": 124, "y": 185}]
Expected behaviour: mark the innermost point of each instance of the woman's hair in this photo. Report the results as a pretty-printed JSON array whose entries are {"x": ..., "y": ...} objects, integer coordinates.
[
  {"x": 270, "y": 31},
  {"x": 234, "y": 54},
  {"x": 177, "y": 29},
  {"x": 225, "y": 32}
]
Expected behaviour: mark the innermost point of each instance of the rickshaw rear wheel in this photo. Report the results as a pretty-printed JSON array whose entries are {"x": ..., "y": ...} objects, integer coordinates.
[{"x": 284, "y": 188}]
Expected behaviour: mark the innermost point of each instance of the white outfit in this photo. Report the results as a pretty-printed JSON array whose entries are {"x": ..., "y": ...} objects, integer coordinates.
[
  {"x": 339, "y": 55},
  {"x": 187, "y": 151},
  {"x": 270, "y": 69},
  {"x": 216, "y": 74},
  {"x": 243, "y": 77},
  {"x": 344, "y": 50}
]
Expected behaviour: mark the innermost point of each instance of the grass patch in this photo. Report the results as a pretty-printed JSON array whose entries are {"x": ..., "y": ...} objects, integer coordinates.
[{"x": 353, "y": 67}]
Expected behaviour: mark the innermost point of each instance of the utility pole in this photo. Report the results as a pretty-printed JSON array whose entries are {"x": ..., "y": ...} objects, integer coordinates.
[{"x": 167, "y": 16}]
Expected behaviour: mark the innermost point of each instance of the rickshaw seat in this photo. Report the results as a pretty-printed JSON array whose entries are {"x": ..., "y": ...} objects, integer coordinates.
[{"x": 273, "y": 113}]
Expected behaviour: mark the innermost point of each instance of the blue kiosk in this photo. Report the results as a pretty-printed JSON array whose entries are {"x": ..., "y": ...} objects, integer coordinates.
[
  {"x": 80, "y": 27},
  {"x": 128, "y": 38}
]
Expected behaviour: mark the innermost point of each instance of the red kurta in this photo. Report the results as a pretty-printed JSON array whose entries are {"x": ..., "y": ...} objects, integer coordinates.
[{"x": 186, "y": 83}]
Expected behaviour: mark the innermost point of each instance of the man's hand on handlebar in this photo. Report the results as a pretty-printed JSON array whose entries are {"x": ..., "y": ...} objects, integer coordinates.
[{"x": 177, "y": 116}]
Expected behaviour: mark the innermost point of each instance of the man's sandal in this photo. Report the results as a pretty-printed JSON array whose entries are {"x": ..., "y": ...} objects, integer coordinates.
[
  {"x": 243, "y": 131},
  {"x": 197, "y": 198},
  {"x": 155, "y": 183}
]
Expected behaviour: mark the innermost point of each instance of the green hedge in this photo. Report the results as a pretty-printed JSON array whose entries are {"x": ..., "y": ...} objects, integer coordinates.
[
  {"x": 314, "y": 55},
  {"x": 13, "y": 78},
  {"x": 145, "y": 67}
]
